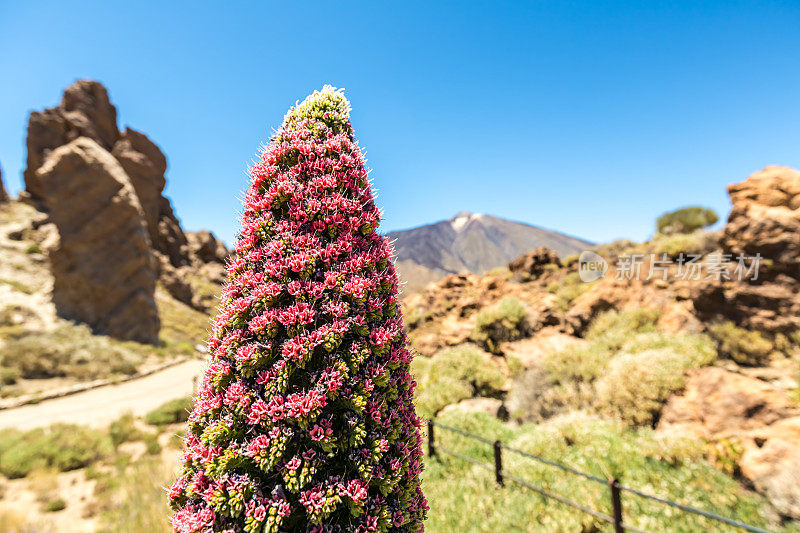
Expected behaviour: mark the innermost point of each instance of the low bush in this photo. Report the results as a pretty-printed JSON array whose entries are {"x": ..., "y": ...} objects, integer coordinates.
[
  {"x": 61, "y": 446},
  {"x": 743, "y": 346},
  {"x": 635, "y": 386},
  {"x": 626, "y": 369},
  {"x": 69, "y": 350},
  {"x": 452, "y": 375},
  {"x": 505, "y": 321},
  {"x": 686, "y": 220},
  {"x": 581, "y": 363},
  {"x": 8, "y": 376},
  {"x": 55, "y": 505},
  {"x": 568, "y": 289},
  {"x": 535, "y": 396},
  {"x": 171, "y": 412},
  {"x": 124, "y": 429},
  {"x": 699, "y": 242},
  {"x": 614, "y": 328}
]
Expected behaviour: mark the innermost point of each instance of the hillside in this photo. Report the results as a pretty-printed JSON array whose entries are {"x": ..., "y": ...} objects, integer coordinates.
[
  {"x": 705, "y": 363},
  {"x": 470, "y": 242}
]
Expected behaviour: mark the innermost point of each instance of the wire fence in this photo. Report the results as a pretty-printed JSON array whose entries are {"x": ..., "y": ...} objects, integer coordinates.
[{"x": 615, "y": 489}]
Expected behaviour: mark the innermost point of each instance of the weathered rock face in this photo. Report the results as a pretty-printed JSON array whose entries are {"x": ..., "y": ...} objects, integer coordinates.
[
  {"x": 85, "y": 111},
  {"x": 765, "y": 220},
  {"x": 3, "y": 193},
  {"x": 104, "y": 271},
  {"x": 206, "y": 247},
  {"x": 718, "y": 403},
  {"x": 533, "y": 264},
  {"x": 771, "y": 462}
]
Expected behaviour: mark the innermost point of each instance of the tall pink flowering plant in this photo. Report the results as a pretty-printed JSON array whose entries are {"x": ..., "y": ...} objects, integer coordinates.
[{"x": 304, "y": 420}]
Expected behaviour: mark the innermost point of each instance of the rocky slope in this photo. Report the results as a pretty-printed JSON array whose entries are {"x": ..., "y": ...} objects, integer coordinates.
[
  {"x": 470, "y": 242},
  {"x": 114, "y": 235},
  {"x": 711, "y": 356}
]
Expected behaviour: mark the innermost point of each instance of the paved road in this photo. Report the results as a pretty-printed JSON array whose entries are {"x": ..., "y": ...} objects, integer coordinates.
[{"x": 98, "y": 407}]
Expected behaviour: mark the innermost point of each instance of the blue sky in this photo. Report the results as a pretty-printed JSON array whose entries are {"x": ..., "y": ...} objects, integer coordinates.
[{"x": 588, "y": 117}]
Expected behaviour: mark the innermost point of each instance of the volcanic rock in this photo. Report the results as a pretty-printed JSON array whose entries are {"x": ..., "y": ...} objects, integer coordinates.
[
  {"x": 771, "y": 462},
  {"x": 533, "y": 263},
  {"x": 85, "y": 111},
  {"x": 3, "y": 193},
  {"x": 718, "y": 403},
  {"x": 206, "y": 247},
  {"x": 103, "y": 268},
  {"x": 764, "y": 221}
]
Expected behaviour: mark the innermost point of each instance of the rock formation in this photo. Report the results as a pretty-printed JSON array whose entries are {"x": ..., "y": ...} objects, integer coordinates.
[
  {"x": 532, "y": 264},
  {"x": 3, "y": 193},
  {"x": 137, "y": 166},
  {"x": 764, "y": 220},
  {"x": 104, "y": 272}
]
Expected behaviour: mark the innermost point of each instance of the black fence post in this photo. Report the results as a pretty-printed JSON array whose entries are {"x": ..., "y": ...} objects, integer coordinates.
[
  {"x": 431, "y": 444},
  {"x": 616, "y": 505},
  {"x": 498, "y": 463}
]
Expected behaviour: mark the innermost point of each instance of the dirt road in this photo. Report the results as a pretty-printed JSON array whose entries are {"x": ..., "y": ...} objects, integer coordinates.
[{"x": 98, "y": 407}]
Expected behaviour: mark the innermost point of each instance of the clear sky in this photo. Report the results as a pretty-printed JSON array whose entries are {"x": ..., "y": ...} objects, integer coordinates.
[{"x": 587, "y": 117}]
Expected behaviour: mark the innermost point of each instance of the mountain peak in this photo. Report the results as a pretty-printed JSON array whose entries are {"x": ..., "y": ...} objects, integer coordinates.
[{"x": 463, "y": 218}]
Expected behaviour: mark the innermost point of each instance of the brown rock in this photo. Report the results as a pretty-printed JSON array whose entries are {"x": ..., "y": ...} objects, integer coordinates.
[
  {"x": 718, "y": 403},
  {"x": 104, "y": 271},
  {"x": 206, "y": 247},
  {"x": 3, "y": 194},
  {"x": 765, "y": 217},
  {"x": 85, "y": 111},
  {"x": 145, "y": 164},
  {"x": 765, "y": 220},
  {"x": 531, "y": 350},
  {"x": 771, "y": 462},
  {"x": 532, "y": 264}
]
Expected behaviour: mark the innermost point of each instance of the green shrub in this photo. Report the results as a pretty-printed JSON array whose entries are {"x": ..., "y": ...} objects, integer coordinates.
[
  {"x": 171, "y": 412},
  {"x": 743, "y": 346},
  {"x": 69, "y": 350},
  {"x": 505, "y": 321},
  {"x": 614, "y": 328},
  {"x": 699, "y": 242},
  {"x": 635, "y": 387},
  {"x": 582, "y": 363},
  {"x": 124, "y": 430},
  {"x": 535, "y": 396},
  {"x": 8, "y": 376},
  {"x": 686, "y": 220},
  {"x": 61, "y": 446},
  {"x": 52, "y": 506},
  {"x": 152, "y": 447},
  {"x": 568, "y": 289},
  {"x": 452, "y": 375}
]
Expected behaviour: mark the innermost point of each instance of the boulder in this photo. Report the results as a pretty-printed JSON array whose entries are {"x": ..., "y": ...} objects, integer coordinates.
[
  {"x": 764, "y": 220},
  {"x": 532, "y": 264},
  {"x": 718, "y": 403},
  {"x": 531, "y": 350},
  {"x": 771, "y": 462},
  {"x": 206, "y": 247},
  {"x": 85, "y": 111},
  {"x": 103, "y": 268}
]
